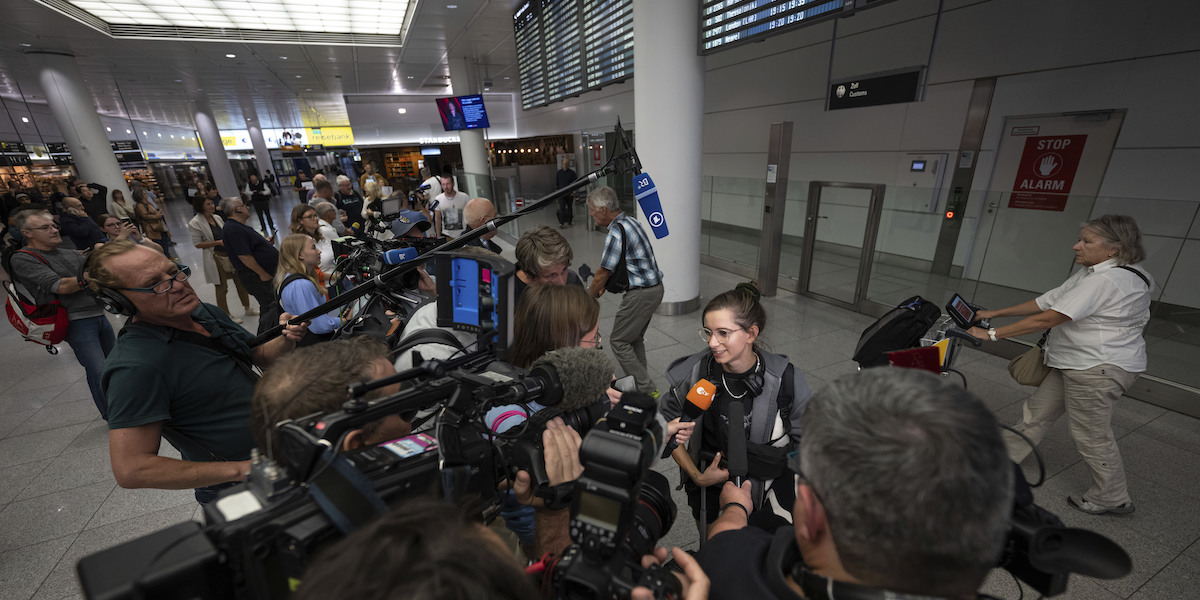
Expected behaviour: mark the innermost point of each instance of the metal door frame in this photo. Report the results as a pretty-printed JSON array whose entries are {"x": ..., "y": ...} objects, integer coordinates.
[{"x": 867, "y": 253}]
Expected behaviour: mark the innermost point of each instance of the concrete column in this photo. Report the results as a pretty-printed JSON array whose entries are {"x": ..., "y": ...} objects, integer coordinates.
[
  {"x": 74, "y": 111},
  {"x": 261, "y": 154},
  {"x": 470, "y": 141},
  {"x": 214, "y": 151},
  {"x": 668, "y": 137}
]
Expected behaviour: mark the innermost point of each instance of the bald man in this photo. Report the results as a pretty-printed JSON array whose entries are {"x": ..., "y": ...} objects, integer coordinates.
[
  {"x": 476, "y": 213},
  {"x": 77, "y": 225}
]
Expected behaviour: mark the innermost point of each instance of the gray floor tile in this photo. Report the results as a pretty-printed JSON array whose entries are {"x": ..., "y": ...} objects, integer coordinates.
[
  {"x": 22, "y": 571},
  {"x": 1162, "y": 463},
  {"x": 14, "y": 479},
  {"x": 38, "y": 380},
  {"x": 15, "y": 450},
  {"x": 71, "y": 470},
  {"x": 53, "y": 416},
  {"x": 1180, "y": 579},
  {"x": 22, "y": 400},
  {"x": 11, "y": 421},
  {"x": 1175, "y": 429},
  {"x": 62, "y": 580},
  {"x": 94, "y": 436},
  {"x": 47, "y": 517},
  {"x": 125, "y": 504}
]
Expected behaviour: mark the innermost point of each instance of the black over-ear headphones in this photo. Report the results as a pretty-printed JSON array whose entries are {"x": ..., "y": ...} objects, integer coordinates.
[
  {"x": 111, "y": 300},
  {"x": 754, "y": 383}
]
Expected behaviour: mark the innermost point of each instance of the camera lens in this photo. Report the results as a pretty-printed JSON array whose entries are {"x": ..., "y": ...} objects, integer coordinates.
[
  {"x": 583, "y": 419},
  {"x": 653, "y": 516}
]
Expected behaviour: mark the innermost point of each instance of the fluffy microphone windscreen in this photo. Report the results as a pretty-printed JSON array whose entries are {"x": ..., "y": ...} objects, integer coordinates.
[{"x": 583, "y": 372}]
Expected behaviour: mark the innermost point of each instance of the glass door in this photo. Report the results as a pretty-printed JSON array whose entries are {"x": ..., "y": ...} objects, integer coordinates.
[{"x": 839, "y": 240}]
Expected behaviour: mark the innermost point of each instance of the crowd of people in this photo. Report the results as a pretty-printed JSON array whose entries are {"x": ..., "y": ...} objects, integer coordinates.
[{"x": 836, "y": 500}]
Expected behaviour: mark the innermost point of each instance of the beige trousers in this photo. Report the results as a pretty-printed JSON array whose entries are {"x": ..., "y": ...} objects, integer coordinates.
[{"x": 1088, "y": 397}]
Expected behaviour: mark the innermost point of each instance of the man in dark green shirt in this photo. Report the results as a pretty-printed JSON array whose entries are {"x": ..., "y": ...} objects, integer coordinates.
[{"x": 181, "y": 370}]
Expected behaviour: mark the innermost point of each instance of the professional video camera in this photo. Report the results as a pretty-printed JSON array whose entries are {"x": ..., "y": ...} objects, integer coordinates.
[
  {"x": 1043, "y": 553},
  {"x": 620, "y": 508}
]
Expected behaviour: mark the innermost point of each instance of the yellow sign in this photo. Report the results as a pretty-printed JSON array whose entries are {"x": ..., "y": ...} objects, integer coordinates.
[
  {"x": 228, "y": 140},
  {"x": 331, "y": 136}
]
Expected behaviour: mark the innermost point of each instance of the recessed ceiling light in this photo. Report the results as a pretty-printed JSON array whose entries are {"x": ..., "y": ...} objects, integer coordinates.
[
  {"x": 331, "y": 59},
  {"x": 451, "y": 6},
  {"x": 160, "y": 135},
  {"x": 230, "y": 56},
  {"x": 299, "y": 76},
  {"x": 410, "y": 76},
  {"x": 108, "y": 128},
  {"x": 402, "y": 110},
  {"x": 308, "y": 89},
  {"x": 24, "y": 45},
  {"x": 143, "y": 133},
  {"x": 24, "y": 119},
  {"x": 178, "y": 81},
  {"x": 508, "y": 77},
  {"x": 128, "y": 131},
  {"x": 172, "y": 136},
  {"x": 283, "y": 58}
]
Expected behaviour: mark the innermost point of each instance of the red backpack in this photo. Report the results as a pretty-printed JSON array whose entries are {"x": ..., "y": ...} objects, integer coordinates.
[{"x": 46, "y": 324}]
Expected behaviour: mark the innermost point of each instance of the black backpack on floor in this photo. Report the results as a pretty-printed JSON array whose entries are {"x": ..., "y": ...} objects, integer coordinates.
[{"x": 901, "y": 328}]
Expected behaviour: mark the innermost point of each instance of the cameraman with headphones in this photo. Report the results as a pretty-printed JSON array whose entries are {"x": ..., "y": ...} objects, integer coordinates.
[
  {"x": 904, "y": 490},
  {"x": 180, "y": 370}
]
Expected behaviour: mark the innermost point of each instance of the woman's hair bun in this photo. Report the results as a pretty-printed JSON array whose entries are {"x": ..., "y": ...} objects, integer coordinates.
[{"x": 750, "y": 288}]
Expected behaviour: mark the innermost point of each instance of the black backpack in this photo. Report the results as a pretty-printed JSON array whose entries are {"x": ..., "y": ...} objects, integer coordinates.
[
  {"x": 899, "y": 329},
  {"x": 618, "y": 280},
  {"x": 268, "y": 316}
]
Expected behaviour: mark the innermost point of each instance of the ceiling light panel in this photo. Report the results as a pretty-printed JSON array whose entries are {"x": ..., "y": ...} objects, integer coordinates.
[{"x": 312, "y": 16}]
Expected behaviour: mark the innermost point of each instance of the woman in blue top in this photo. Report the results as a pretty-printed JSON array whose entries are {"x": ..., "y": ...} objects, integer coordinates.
[{"x": 299, "y": 290}]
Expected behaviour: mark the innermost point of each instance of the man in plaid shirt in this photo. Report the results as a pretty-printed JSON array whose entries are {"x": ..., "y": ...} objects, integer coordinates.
[{"x": 645, "y": 290}]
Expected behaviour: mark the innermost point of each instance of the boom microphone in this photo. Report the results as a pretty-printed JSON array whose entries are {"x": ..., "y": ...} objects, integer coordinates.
[
  {"x": 738, "y": 464},
  {"x": 699, "y": 398},
  {"x": 396, "y": 256}
]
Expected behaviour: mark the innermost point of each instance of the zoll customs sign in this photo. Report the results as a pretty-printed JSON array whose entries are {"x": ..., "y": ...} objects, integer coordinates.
[{"x": 1046, "y": 172}]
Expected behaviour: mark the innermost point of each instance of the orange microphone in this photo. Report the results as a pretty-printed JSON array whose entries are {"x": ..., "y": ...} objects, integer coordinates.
[{"x": 699, "y": 398}]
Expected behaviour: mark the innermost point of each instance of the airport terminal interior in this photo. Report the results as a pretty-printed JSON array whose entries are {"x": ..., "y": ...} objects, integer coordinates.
[{"x": 845, "y": 155}]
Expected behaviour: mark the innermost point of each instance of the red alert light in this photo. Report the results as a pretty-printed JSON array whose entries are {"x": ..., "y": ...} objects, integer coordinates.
[{"x": 949, "y": 214}]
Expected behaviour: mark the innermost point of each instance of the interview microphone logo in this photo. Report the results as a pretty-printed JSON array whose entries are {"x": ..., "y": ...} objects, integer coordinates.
[{"x": 647, "y": 197}]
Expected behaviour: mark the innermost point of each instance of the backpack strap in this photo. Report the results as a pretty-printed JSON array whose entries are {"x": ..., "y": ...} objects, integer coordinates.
[
  {"x": 1135, "y": 272},
  {"x": 194, "y": 338}
]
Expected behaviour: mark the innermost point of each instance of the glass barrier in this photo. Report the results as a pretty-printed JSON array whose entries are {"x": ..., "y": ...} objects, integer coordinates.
[
  {"x": 1005, "y": 255},
  {"x": 731, "y": 211}
]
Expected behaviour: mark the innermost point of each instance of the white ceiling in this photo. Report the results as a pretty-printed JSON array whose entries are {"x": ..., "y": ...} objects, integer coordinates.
[{"x": 148, "y": 80}]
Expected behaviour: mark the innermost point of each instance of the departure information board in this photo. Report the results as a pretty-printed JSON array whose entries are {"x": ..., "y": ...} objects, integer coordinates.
[
  {"x": 608, "y": 37},
  {"x": 724, "y": 23},
  {"x": 567, "y": 47}
]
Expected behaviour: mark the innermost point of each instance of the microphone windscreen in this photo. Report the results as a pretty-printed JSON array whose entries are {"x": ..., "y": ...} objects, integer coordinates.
[
  {"x": 396, "y": 256},
  {"x": 738, "y": 464},
  {"x": 583, "y": 372},
  {"x": 699, "y": 398}
]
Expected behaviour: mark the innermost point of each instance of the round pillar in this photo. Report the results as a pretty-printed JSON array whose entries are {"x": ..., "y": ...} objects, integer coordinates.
[{"x": 668, "y": 106}]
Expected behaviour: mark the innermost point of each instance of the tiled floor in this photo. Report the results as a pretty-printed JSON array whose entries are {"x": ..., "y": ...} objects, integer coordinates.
[{"x": 58, "y": 500}]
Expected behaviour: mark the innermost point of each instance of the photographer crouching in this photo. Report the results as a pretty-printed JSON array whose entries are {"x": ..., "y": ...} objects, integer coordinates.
[{"x": 904, "y": 490}]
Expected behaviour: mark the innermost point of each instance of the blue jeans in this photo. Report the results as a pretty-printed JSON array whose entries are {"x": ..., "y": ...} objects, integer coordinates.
[{"x": 92, "y": 339}]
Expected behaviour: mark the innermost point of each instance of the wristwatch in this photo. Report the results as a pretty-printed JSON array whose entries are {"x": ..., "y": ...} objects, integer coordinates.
[{"x": 992, "y": 334}]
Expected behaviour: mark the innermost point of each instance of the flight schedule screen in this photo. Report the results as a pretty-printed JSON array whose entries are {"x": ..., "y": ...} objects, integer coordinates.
[
  {"x": 568, "y": 47},
  {"x": 724, "y": 23}
]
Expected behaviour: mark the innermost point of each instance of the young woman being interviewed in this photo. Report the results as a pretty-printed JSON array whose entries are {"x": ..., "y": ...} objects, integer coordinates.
[{"x": 773, "y": 394}]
